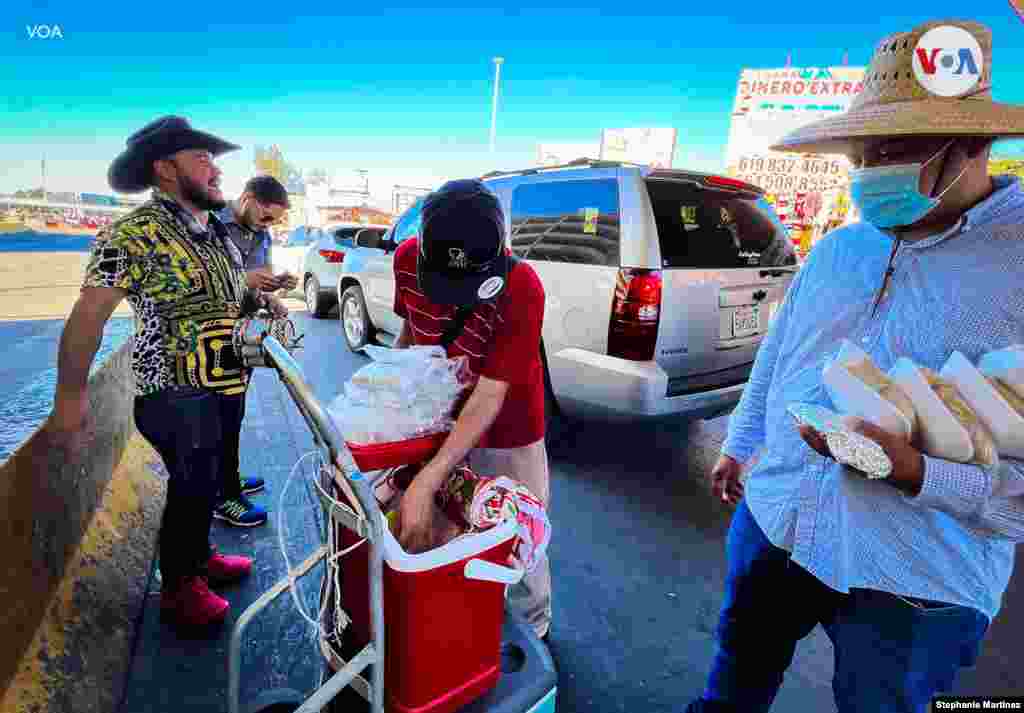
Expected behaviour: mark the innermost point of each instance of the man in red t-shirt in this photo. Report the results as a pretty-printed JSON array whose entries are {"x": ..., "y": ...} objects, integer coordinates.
[{"x": 456, "y": 285}]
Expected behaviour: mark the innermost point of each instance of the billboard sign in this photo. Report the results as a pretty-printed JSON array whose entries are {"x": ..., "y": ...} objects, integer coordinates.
[
  {"x": 649, "y": 147},
  {"x": 791, "y": 173},
  {"x": 827, "y": 89},
  {"x": 769, "y": 104}
]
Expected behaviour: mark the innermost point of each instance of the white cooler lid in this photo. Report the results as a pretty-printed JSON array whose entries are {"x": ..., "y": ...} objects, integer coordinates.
[{"x": 459, "y": 549}]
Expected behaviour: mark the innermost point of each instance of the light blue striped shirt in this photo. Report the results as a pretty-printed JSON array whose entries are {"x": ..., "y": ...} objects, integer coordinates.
[{"x": 962, "y": 291}]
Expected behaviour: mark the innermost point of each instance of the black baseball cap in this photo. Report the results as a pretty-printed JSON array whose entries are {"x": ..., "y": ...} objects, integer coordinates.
[{"x": 462, "y": 258}]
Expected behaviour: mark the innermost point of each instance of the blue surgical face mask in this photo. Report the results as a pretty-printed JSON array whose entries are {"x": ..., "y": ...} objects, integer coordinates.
[{"x": 888, "y": 196}]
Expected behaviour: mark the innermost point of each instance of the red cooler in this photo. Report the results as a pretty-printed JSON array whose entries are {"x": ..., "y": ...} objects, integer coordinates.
[{"x": 443, "y": 614}]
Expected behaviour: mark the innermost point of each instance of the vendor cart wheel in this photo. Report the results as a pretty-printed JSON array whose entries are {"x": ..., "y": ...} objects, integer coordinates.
[
  {"x": 279, "y": 700},
  {"x": 355, "y": 320},
  {"x": 316, "y": 305}
]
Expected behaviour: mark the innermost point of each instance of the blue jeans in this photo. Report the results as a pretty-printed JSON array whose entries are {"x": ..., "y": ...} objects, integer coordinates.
[
  {"x": 196, "y": 434},
  {"x": 892, "y": 654}
]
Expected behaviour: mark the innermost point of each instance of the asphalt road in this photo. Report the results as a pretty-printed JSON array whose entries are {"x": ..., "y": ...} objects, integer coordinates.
[
  {"x": 637, "y": 557},
  {"x": 28, "y": 372}
]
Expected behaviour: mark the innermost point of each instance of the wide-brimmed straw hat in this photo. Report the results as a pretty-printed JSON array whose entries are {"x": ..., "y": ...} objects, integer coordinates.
[
  {"x": 933, "y": 81},
  {"x": 132, "y": 171}
]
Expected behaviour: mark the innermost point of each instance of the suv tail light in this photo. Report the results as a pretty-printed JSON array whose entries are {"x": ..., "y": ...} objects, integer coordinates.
[
  {"x": 725, "y": 182},
  {"x": 636, "y": 310},
  {"x": 333, "y": 256}
]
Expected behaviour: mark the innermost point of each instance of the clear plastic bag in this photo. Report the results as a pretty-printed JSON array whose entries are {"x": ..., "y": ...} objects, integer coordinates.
[{"x": 402, "y": 394}]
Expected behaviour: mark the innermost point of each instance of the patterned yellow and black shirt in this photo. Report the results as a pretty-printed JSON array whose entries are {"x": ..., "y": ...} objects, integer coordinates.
[{"x": 187, "y": 289}]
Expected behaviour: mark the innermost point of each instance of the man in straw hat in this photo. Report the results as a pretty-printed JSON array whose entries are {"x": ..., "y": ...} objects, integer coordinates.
[
  {"x": 904, "y": 573},
  {"x": 171, "y": 258}
]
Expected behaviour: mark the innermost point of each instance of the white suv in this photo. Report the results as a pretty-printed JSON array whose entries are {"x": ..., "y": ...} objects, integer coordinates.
[{"x": 660, "y": 284}]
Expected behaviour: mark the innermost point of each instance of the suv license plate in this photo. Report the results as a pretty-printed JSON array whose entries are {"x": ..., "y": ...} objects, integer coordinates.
[{"x": 746, "y": 321}]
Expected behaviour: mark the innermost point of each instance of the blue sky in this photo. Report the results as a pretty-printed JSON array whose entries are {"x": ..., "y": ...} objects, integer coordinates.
[{"x": 405, "y": 91}]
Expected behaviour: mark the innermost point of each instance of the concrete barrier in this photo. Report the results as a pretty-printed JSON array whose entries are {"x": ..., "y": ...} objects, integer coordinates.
[{"x": 79, "y": 540}]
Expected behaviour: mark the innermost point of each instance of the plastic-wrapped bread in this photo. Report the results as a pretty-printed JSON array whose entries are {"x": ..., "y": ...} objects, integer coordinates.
[
  {"x": 875, "y": 379},
  {"x": 997, "y": 404},
  {"x": 1007, "y": 365},
  {"x": 984, "y": 444},
  {"x": 1015, "y": 401},
  {"x": 858, "y": 388}
]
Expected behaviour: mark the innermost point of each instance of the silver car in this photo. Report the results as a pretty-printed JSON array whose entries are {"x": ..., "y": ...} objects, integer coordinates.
[
  {"x": 660, "y": 284},
  {"x": 289, "y": 255},
  {"x": 321, "y": 263}
]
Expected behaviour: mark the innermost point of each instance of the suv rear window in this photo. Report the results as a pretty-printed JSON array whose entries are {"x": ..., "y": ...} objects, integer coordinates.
[
  {"x": 709, "y": 229},
  {"x": 567, "y": 221}
]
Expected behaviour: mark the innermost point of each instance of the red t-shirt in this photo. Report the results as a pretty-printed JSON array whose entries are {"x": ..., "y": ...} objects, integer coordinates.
[{"x": 501, "y": 341}]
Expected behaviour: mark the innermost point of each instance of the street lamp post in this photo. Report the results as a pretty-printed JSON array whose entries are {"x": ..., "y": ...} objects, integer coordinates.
[
  {"x": 494, "y": 104},
  {"x": 366, "y": 181}
]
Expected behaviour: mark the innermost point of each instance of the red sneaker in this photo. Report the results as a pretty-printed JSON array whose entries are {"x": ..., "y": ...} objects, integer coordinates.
[
  {"x": 193, "y": 604},
  {"x": 225, "y": 569}
]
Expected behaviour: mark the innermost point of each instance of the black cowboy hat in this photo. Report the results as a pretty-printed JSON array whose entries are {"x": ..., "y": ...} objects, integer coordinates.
[{"x": 132, "y": 171}]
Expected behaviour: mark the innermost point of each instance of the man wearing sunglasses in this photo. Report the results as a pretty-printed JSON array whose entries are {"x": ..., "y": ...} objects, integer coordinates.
[
  {"x": 457, "y": 285},
  {"x": 248, "y": 219}
]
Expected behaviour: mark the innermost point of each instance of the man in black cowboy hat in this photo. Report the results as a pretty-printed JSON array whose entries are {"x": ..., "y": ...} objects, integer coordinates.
[{"x": 185, "y": 281}]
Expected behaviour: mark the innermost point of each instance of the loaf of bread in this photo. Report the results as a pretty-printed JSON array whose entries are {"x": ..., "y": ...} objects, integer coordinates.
[
  {"x": 876, "y": 380},
  {"x": 1011, "y": 397},
  {"x": 984, "y": 444}
]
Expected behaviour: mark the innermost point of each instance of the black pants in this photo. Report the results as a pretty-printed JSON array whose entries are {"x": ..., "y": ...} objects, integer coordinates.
[
  {"x": 232, "y": 413},
  {"x": 196, "y": 434}
]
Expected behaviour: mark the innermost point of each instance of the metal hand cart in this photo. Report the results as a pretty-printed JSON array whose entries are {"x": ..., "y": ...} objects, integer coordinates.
[{"x": 528, "y": 683}]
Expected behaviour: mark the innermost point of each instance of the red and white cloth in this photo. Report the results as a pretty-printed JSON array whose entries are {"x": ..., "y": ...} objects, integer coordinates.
[{"x": 477, "y": 503}]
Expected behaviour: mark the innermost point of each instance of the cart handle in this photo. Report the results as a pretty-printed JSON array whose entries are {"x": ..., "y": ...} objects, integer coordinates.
[
  {"x": 489, "y": 572},
  {"x": 356, "y": 487}
]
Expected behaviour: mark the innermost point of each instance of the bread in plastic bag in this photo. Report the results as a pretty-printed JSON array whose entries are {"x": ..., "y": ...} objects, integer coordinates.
[{"x": 401, "y": 394}]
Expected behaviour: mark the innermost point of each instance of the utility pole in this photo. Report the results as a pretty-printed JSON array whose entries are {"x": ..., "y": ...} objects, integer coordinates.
[
  {"x": 366, "y": 181},
  {"x": 494, "y": 104},
  {"x": 44, "y": 179}
]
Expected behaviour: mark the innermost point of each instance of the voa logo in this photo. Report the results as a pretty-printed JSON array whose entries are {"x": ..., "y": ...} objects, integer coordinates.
[
  {"x": 44, "y": 32},
  {"x": 948, "y": 61}
]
